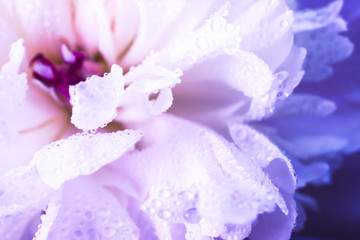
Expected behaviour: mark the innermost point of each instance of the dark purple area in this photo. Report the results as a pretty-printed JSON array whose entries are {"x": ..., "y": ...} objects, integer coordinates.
[
  {"x": 338, "y": 217},
  {"x": 59, "y": 76}
]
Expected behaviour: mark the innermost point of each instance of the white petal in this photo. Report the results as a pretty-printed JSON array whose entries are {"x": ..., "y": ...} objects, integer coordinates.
[
  {"x": 17, "y": 54},
  {"x": 81, "y": 154},
  {"x": 95, "y": 100},
  {"x": 44, "y": 25},
  {"x": 8, "y": 37},
  {"x": 149, "y": 91},
  {"x": 154, "y": 18},
  {"x": 235, "y": 70},
  {"x": 13, "y": 86},
  {"x": 209, "y": 103}
]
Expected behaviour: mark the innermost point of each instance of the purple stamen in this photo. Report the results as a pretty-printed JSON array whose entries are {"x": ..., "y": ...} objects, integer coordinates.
[
  {"x": 59, "y": 77},
  {"x": 44, "y": 70}
]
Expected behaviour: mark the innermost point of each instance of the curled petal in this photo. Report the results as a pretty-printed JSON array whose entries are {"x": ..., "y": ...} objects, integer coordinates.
[{"x": 149, "y": 91}]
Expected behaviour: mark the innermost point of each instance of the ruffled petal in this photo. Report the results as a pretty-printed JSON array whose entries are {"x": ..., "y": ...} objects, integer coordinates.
[
  {"x": 20, "y": 139},
  {"x": 197, "y": 178},
  {"x": 148, "y": 91},
  {"x": 95, "y": 100}
]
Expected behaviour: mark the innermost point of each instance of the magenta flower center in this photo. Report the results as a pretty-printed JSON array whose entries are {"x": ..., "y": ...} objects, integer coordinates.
[{"x": 60, "y": 76}]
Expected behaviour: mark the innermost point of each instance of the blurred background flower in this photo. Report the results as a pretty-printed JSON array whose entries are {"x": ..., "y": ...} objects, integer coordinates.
[{"x": 337, "y": 213}]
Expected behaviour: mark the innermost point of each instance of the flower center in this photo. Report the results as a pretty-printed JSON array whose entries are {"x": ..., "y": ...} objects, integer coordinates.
[{"x": 73, "y": 69}]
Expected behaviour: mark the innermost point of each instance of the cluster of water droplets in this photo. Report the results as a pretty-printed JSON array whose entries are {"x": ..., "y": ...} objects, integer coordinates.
[
  {"x": 265, "y": 104},
  {"x": 256, "y": 146},
  {"x": 268, "y": 32},
  {"x": 216, "y": 36},
  {"x": 175, "y": 206}
]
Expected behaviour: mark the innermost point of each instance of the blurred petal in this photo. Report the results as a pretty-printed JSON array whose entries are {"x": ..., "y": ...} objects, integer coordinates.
[
  {"x": 319, "y": 32},
  {"x": 85, "y": 209}
]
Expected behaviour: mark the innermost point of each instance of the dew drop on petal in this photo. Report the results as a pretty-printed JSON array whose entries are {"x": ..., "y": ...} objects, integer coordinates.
[
  {"x": 164, "y": 193},
  {"x": 216, "y": 25},
  {"x": 164, "y": 214},
  {"x": 202, "y": 43},
  {"x": 77, "y": 234},
  {"x": 109, "y": 232},
  {"x": 284, "y": 23},
  {"x": 92, "y": 234},
  {"x": 191, "y": 216}
]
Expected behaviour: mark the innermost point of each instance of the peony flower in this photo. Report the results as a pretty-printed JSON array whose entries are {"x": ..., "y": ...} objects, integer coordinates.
[{"x": 129, "y": 119}]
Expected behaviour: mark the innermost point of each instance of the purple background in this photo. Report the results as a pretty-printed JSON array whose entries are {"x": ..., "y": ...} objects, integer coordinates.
[{"x": 338, "y": 217}]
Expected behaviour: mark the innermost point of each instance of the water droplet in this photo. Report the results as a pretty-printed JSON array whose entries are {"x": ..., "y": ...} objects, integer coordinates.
[
  {"x": 281, "y": 76},
  {"x": 202, "y": 42},
  {"x": 152, "y": 210},
  {"x": 77, "y": 195},
  {"x": 191, "y": 216},
  {"x": 92, "y": 234},
  {"x": 89, "y": 216},
  {"x": 284, "y": 23},
  {"x": 109, "y": 232},
  {"x": 241, "y": 135},
  {"x": 164, "y": 214},
  {"x": 64, "y": 232},
  {"x": 156, "y": 203},
  {"x": 117, "y": 224},
  {"x": 186, "y": 195},
  {"x": 280, "y": 94},
  {"x": 164, "y": 193},
  {"x": 238, "y": 39},
  {"x": 66, "y": 222},
  {"x": 270, "y": 197},
  {"x": 229, "y": 27},
  {"x": 104, "y": 212},
  {"x": 216, "y": 25},
  {"x": 264, "y": 98},
  {"x": 77, "y": 234}
]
